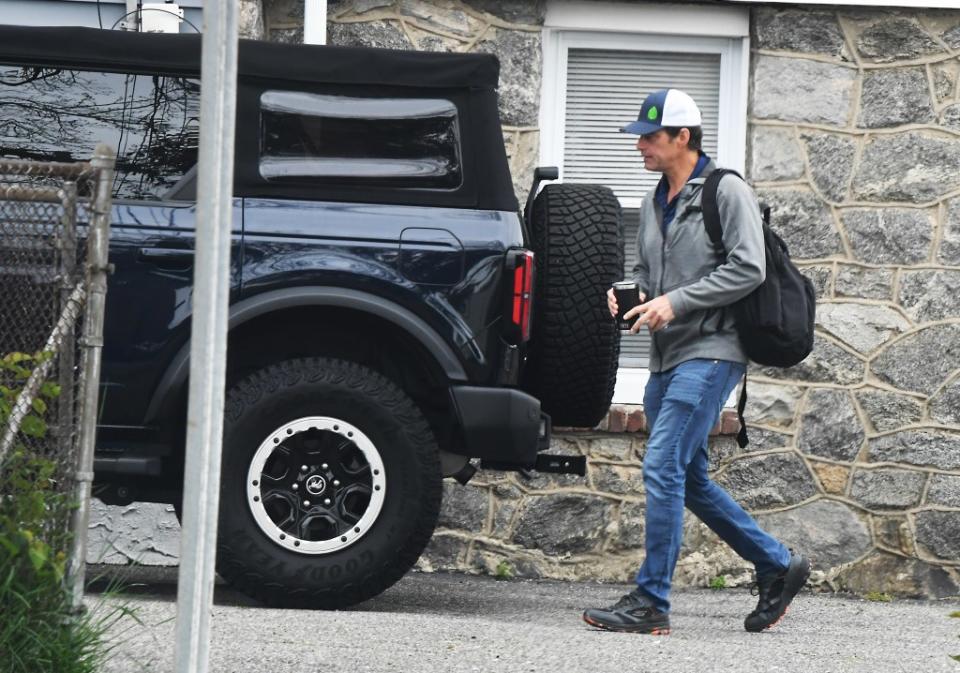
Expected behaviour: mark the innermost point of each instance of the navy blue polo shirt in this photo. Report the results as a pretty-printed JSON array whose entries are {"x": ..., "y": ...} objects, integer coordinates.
[{"x": 670, "y": 209}]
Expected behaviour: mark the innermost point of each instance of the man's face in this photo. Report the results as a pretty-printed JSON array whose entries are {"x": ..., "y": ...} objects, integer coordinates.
[{"x": 660, "y": 151}]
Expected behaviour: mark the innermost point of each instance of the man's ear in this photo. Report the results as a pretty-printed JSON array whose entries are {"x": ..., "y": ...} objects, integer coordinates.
[{"x": 683, "y": 138}]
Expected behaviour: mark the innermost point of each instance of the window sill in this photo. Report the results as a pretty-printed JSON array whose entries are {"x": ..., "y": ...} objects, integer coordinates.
[{"x": 628, "y": 418}]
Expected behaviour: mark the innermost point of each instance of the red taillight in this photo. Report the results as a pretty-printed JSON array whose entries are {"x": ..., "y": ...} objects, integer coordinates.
[
  {"x": 518, "y": 274},
  {"x": 522, "y": 295}
]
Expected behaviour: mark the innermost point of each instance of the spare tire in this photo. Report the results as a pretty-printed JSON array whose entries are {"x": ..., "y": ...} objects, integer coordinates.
[{"x": 577, "y": 237}]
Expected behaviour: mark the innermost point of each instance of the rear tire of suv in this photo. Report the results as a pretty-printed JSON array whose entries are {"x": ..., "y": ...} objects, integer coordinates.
[
  {"x": 330, "y": 487},
  {"x": 575, "y": 345}
]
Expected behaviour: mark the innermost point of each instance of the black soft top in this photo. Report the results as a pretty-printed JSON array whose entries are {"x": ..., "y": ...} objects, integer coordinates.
[
  {"x": 180, "y": 54},
  {"x": 468, "y": 79}
]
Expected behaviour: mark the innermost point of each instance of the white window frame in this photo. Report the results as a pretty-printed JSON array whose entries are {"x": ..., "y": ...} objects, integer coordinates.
[{"x": 646, "y": 27}]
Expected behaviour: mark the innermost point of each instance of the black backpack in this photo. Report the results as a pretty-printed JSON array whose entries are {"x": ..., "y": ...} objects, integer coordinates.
[{"x": 775, "y": 321}]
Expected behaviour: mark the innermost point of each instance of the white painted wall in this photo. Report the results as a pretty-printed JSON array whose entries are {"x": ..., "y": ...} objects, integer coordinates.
[{"x": 81, "y": 13}]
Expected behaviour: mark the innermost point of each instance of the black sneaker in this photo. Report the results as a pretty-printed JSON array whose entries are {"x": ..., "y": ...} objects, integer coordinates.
[
  {"x": 776, "y": 592},
  {"x": 632, "y": 613}
]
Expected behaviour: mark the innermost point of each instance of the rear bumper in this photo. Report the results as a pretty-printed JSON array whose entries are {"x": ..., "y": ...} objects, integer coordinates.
[{"x": 501, "y": 424}]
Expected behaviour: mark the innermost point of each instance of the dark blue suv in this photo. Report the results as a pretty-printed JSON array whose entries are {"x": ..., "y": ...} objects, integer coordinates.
[{"x": 387, "y": 322}]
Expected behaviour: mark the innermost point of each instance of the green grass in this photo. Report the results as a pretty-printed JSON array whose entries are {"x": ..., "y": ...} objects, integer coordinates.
[
  {"x": 718, "y": 582},
  {"x": 39, "y": 633},
  {"x": 504, "y": 571},
  {"x": 878, "y": 597}
]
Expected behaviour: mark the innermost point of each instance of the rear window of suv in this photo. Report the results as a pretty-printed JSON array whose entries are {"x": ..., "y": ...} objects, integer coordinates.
[
  {"x": 59, "y": 114},
  {"x": 389, "y": 142}
]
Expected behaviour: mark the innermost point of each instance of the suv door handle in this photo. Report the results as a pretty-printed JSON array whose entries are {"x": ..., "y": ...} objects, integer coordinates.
[{"x": 178, "y": 259}]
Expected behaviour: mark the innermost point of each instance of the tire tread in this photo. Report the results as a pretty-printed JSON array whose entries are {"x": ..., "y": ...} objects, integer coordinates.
[
  {"x": 575, "y": 345},
  {"x": 253, "y": 389}
]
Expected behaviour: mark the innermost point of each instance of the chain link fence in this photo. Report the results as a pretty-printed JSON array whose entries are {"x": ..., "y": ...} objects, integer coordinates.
[{"x": 54, "y": 230}]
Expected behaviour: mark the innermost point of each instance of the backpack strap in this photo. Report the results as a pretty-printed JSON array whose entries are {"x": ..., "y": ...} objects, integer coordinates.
[
  {"x": 711, "y": 221},
  {"x": 742, "y": 439},
  {"x": 711, "y": 211}
]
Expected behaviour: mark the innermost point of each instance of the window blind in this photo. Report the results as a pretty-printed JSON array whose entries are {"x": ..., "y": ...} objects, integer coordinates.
[{"x": 605, "y": 90}]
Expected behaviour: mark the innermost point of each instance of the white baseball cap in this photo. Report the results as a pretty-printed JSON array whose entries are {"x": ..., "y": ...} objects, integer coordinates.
[{"x": 667, "y": 107}]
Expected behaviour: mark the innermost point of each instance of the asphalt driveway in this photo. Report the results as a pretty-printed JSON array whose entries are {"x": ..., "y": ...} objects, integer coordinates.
[{"x": 451, "y": 622}]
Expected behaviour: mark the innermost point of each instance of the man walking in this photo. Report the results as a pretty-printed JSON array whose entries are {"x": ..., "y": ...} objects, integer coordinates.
[{"x": 696, "y": 361}]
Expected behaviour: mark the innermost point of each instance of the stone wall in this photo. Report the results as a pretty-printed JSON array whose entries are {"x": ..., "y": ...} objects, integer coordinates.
[
  {"x": 250, "y": 20},
  {"x": 854, "y": 140}
]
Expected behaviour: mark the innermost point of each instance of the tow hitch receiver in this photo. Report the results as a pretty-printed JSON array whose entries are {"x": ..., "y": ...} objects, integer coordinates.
[
  {"x": 544, "y": 463},
  {"x": 561, "y": 464}
]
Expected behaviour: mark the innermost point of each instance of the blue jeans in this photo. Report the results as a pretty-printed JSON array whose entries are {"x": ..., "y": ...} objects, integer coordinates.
[{"x": 682, "y": 405}]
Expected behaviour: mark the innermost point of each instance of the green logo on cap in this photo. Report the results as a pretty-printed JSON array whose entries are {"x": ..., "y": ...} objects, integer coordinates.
[{"x": 652, "y": 114}]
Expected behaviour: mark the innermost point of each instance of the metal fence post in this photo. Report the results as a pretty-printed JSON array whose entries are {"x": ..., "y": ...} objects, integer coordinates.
[
  {"x": 98, "y": 247},
  {"x": 201, "y": 495},
  {"x": 65, "y": 430}
]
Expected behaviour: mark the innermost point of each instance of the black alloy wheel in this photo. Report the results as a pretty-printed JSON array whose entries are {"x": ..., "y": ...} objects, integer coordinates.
[{"x": 330, "y": 487}]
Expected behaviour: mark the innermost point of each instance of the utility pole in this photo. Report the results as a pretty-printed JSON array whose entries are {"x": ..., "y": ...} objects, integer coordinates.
[
  {"x": 208, "y": 336},
  {"x": 314, "y": 21},
  {"x": 131, "y": 20}
]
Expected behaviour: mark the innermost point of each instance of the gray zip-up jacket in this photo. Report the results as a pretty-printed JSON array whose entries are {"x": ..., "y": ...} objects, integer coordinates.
[{"x": 698, "y": 282}]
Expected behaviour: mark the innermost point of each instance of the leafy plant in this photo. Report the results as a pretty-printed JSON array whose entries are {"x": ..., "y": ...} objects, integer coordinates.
[
  {"x": 504, "y": 571},
  {"x": 718, "y": 582},
  {"x": 15, "y": 369},
  {"x": 878, "y": 596},
  {"x": 37, "y": 631}
]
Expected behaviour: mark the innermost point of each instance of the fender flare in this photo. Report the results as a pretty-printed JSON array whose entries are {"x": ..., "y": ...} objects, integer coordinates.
[{"x": 247, "y": 309}]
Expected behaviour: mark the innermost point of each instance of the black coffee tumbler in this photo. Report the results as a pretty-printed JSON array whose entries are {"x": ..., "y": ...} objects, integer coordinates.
[{"x": 628, "y": 295}]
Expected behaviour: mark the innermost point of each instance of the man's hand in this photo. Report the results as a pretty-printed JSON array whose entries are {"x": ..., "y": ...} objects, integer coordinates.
[
  {"x": 612, "y": 301},
  {"x": 655, "y": 314}
]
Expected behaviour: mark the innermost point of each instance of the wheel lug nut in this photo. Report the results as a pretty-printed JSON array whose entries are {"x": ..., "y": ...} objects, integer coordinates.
[
  {"x": 324, "y": 466},
  {"x": 304, "y": 468},
  {"x": 336, "y": 482},
  {"x": 296, "y": 486},
  {"x": 306, "y": 503},
  {"x": 326, "y": 501}
]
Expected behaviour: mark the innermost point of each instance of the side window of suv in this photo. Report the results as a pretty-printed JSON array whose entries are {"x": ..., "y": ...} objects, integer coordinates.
[
  {"x": 388, "y": 142},
  {"x": 52, "y": 114}
]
